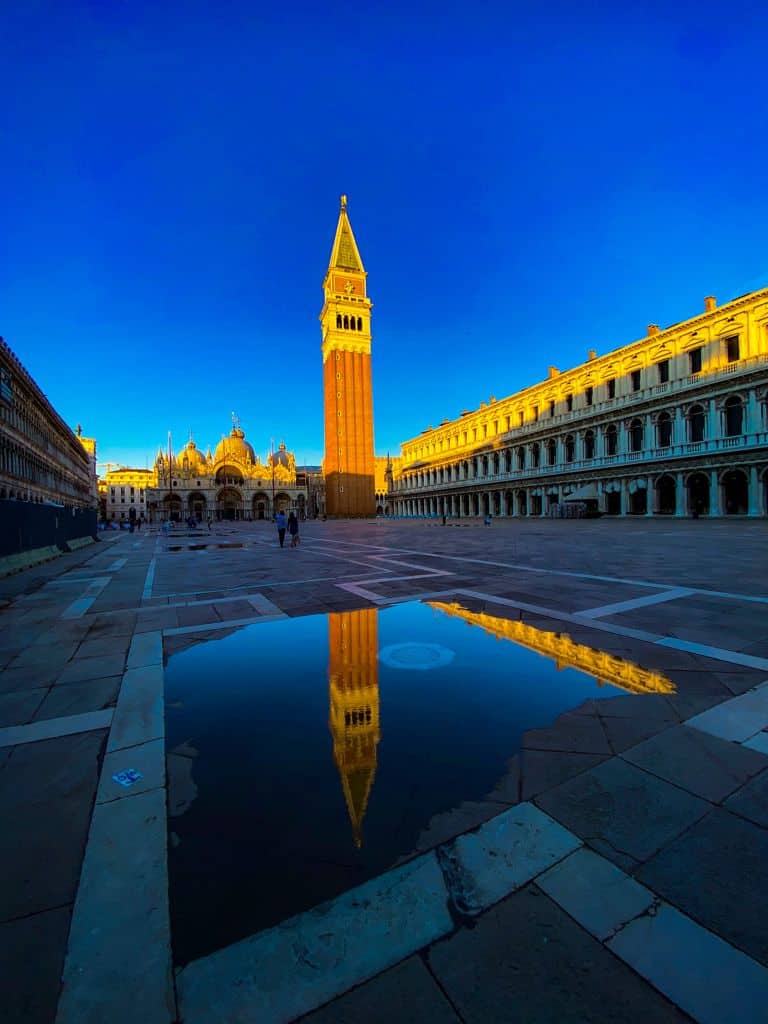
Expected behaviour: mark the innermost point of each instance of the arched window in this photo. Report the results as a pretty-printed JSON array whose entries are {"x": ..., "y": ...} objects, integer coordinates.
[
  {"x": 570, "y": 448},
  {"x": 496, "y": 464},
  {"x": 611, "y": 440},
  {"x": 536, "y": 453},
  {"x": 696, "y": 423},
  {"x": 521, "y": 458},
  {"x": 551, "y": 452},
  {"x": 664, "y": 430},
  {"x": 359, "y": 323},
  {"x": 346, "y": 323},
  {"x": 338, "y": 319},
  {"x": 734, "y": 416},
  {"x": 589, "y": 444},
  {"x": 508, "y": 461},
  {"x": 636, "y": 435},
  {"x": 352, "y": 323},
  {"x": 485, "y": 465}
]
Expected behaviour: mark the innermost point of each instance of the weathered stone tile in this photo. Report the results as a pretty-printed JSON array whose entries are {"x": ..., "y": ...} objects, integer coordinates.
[
  {"x": 717, "y": 872},
  {"x": 449, "y": 824},
  {"x": 20, "y": 707},
  {"x": 758, "y": 742},
  {"x": 116, "y": 645},
  {"x": 121, "y": 907},
  {"x": 736, "y": 719},
  {"x": 301, "y": 964},
  {"x": 526, "y": 960},
  {"x": 620, "y": 810},
  {"x": 705, "y": 976},
  {"x": 148, "y": 759},
  {"x": 751, "y": 801},
  {"x": 46, "y": 791},
  {"x": 146, "y": 649},
  {"x": 571, "y": 734},
  {"x": 44, "y": 655},
  {"x": 543, "y": 769},
  {"x": 34, "y": 732},
  {"x": 139, "y": 715},
  {"x": 507, "y": 788},
  {"x": 407, "y": 994},
  {"x": 31, "y": 957},
  {"x": 79, "y": 698},
  {"x": 503, "y": 855},
  {"x": 91, "y": 668},
  {"x": 627, "y": 732},
  {"x": 595, "y": 892},
  {"x": 694, "y": 760}
]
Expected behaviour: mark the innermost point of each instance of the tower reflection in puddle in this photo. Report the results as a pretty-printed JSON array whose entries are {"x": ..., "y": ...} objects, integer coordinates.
[{"x": 353, "y": 682}]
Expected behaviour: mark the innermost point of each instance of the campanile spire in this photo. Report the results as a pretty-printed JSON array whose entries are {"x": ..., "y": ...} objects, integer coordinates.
[{"x": 346, "y": 331}]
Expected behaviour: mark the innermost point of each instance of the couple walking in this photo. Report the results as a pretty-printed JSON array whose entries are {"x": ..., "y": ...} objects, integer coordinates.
[{"x": 293, "y": 528}]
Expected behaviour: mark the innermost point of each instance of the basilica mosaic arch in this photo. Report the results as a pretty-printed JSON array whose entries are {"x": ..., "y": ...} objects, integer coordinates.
[{"x": 231, "y": 483}]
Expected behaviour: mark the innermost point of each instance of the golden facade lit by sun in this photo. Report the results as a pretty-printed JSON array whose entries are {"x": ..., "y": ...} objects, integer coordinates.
[
  {"x": 353, "y": 683},
  {"x": 348, "y": 394},
  {"x": 606, "y": 668}
]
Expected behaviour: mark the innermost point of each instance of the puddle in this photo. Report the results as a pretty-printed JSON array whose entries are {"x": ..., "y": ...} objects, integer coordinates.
[
  {"x": 309, "y": 754},
  {"x": 201, "y": 547}
]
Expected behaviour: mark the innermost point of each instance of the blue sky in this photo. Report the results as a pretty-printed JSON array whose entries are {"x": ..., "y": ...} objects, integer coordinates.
[{"x": 525, "y": 181}]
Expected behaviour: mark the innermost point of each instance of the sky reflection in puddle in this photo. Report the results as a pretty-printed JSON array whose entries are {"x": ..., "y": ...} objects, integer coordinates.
[{"x": 309, "y": 754}]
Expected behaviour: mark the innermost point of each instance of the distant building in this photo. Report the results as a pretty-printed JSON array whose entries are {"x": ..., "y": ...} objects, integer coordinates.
[
  {"x": 348, "y": 396},
  {"x": 126, "y": 489},
  {"x": 232, "y": 483},
  {"x": 385, "y": 469},
  {"x": 674, "y": 424},
  {"x": 41, "y": 459}
]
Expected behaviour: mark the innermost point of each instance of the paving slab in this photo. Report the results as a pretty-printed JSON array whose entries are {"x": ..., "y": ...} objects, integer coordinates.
[
  {"x": 571, "y": 734},
  {"x": 596, "y": 893},
  {"x": 705, "y": 976},
  {"x": 78, "y": 698},
  {"x": 447, "y": 825},
  {"x": 46, "y": 790},
  {"x": 544, "y": 769},
  {"x": 91, "y": 668},
  {"x": 20, "y": 707},
  {"x": 31, "y": 958},
  {"x": 736, "y": 719},
  {"x": 751, "y": 801},
  {"x": 526, "y": 960},
  {"x": 30, "y": 677},
  {"x": 139, "y": 715},
  {"x": 118, "y": 965},
  {"x": 306, "y": 961},
  {"x": 697, "y": 761},
  {"x": 758, "y": 742},
  {"x": 717, "y": 873},
  {"x": 147, "y": 759},
  {"x": 406, "y": 994},
  {"x": 483, "y": 867},
  {"x": 621, "y": 811},
  {"x": 146, "y": 649}
]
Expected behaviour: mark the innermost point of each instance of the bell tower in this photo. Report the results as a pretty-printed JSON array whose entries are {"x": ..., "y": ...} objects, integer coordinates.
[{"x": 346, "y": 328}]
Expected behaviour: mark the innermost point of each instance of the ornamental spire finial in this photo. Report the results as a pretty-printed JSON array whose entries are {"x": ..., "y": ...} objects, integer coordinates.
[{"x": 343, "y": 202}]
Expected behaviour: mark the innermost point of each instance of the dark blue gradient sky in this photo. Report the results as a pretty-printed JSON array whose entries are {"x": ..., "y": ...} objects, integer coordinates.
[{"x": 525, "y": 181}]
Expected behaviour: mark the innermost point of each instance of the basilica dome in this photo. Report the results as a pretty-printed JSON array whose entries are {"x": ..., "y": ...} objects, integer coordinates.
[
  {"x": 282, "y": 457},
  {"x": 192, "y": 459},
  {"x": 235, "y": 447}
]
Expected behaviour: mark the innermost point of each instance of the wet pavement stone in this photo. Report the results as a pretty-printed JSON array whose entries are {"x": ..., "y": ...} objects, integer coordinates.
[
  {"x": 704, "y": 765},
  {"x": 621, "y": 811},
  {"x": 717, "y": 873},
  {"x": 751, "y": 801},
  {"x": 31, "y": 958},
  {"x": 526, "y": 960}
]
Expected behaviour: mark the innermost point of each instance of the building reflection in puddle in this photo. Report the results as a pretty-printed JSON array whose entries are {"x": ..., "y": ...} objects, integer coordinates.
[{"x": 353, "y": 683}]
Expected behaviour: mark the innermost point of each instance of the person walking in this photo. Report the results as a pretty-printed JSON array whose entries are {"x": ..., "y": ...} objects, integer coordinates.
[
  {"x": 280, "y": 523},
  {"x": 293, "y": 529}
]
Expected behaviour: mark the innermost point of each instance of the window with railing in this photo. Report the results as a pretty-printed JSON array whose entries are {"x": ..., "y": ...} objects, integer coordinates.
[
  {"x": 635, "y": 379},
  {"x": 732, "y": 348},
  {"x": 663, "y": 368},
  {"x": 694, "y": 360}
]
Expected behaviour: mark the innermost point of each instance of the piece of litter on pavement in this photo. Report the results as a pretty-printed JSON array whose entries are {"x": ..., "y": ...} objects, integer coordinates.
[{"x": 127, "y": 777}]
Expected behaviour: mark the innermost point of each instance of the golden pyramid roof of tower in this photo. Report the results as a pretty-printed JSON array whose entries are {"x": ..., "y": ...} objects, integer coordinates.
[{"x": 345, "y": 255}]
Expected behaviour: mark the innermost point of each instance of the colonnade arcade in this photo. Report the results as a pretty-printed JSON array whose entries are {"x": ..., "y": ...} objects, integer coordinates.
[{"x": 229, "y": 503}]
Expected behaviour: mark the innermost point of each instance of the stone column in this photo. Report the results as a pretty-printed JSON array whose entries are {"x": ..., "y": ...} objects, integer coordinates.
[
  {"x": 621, "y": 439},
  {"x": 754, "y": 492},
  {"x": 679, "y": 496},
  {"x": 650, "y": 496},
  {"x": 649, "y": 437},
  {"x": 752, "y": 413},
  {"x": 715, "y": 509},
  {"x": 714, "y": 421},
  {"x": 624, "y": 498},
  {"x": 678, "y": 428}
]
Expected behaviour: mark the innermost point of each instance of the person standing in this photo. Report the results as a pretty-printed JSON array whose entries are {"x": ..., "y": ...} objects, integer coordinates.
[
  {"x": 293, "y": 529},
  {"x": 280, "y": 523}
]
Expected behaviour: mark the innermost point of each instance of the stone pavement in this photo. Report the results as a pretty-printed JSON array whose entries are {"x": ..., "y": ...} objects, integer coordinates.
[{"x": 616, "y": 871}]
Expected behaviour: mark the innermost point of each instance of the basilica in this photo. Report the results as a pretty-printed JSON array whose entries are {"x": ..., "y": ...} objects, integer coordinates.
[{"x": 230, "y": 483}]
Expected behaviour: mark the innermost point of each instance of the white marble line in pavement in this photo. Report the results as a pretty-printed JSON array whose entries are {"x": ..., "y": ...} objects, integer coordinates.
[
  {"x": 150, "y": 579},
  {"x": 718, "y": 653},
  {"x": 79, "y": 607},
  {"x": 553, "y": 572},
  {"x": 50, "y": 728},
  {"x": 637, "y": 602},
  {"x": 207, "y": 627},
  {"x": 117, "y": 565}
]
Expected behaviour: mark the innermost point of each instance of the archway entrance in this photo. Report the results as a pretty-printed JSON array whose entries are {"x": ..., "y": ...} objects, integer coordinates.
[
  {"x": 197, "y": 506},
  {"x": 736, "y": 493},
  {"x": 260, "y": 505},
  {"x": 229, "y": 504},
  {"x": 665, "y": 490},
  {"x": 638, "y": 502},
  {"x": 282, "y": 502},
  {"x": 698, "y": 494},
  {"x": 613, "y": 503},
  {"x": 171, "y": 508},
  {"x": 522, "y": 503}
]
